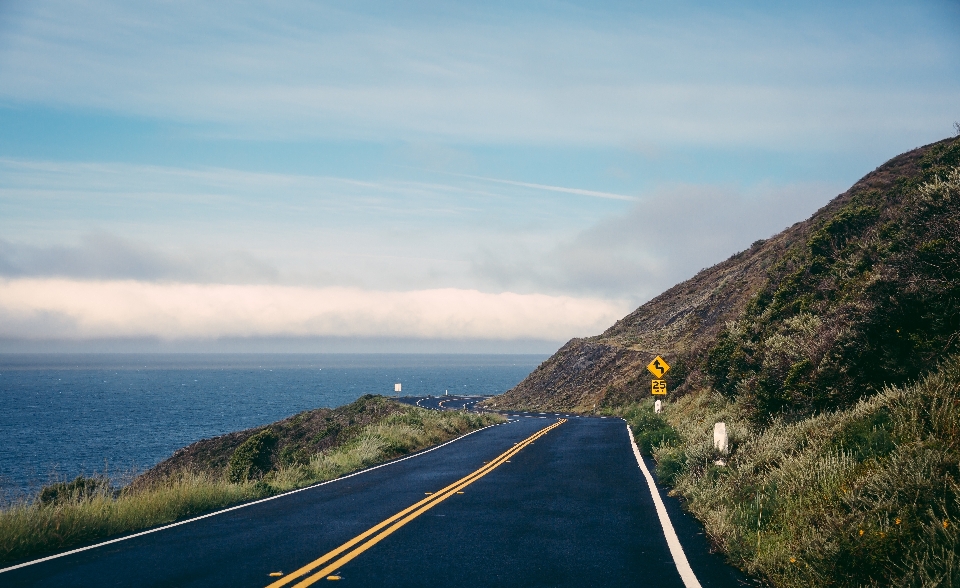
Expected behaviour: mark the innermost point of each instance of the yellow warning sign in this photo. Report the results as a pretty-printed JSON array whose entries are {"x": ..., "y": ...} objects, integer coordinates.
[
  {"x": 658, "y": 367},
  {"x": 659, "y": 387}
]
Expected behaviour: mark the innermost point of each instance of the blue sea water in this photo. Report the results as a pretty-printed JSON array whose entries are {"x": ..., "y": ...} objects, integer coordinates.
[{"x": 65, "y": 415}]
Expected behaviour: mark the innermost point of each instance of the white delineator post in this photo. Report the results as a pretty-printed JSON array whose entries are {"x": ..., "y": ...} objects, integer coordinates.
[
  {"x": 720, "y": 437},
  {"x": 396, "y": 388},
  {"x": 657, "y": 407}
]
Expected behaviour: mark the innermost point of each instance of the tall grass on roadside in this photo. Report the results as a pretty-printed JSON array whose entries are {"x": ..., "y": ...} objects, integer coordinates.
[
  {"x": 396, "y": 435},
  {"x": 867, "y": 496},
  {"x": 650, "y": 430},
  {"x": 90, "y": 510},
  {"x": 32, "y": 529}
]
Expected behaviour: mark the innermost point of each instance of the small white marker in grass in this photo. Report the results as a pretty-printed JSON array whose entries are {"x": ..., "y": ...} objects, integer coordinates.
[{"x": 720, "y": 441}]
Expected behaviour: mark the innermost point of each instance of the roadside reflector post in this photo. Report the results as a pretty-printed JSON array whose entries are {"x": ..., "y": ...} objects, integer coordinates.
[
  {"x": 396, "y": 388},
  {"x": 657, "y": 407},
  {"x": 720, "y": 441}
]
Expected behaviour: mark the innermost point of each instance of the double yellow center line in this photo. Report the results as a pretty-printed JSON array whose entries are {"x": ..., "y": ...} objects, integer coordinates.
[{"x": 375, "y": 534}]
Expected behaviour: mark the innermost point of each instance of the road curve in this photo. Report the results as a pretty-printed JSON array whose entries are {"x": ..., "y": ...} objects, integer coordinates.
[{"x": 564, "y": 507}]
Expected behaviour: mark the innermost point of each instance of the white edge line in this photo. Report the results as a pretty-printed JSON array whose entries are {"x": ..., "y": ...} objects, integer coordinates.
[
  {"x": 673, "y": 542},
  {"x": 244, "y": 505}
]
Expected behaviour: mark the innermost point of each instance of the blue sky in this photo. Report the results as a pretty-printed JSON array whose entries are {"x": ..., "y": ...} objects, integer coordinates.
[{"x": 506, "y": 175}]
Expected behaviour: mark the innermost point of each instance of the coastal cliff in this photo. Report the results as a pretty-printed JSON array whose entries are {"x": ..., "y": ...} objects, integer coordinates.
[{"x": 861, "y": 295}]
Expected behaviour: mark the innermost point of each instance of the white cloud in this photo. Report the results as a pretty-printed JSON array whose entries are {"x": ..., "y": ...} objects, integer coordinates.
[
  {"x": 564, "y": 74},
  {"x": 102, "y": 255},
  {"x": 41, "y": 309},
  {"x": 674, "y": 232}
]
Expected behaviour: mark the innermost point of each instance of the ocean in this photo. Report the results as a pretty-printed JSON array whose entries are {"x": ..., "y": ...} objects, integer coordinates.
[{"x": 71, "y": 414}]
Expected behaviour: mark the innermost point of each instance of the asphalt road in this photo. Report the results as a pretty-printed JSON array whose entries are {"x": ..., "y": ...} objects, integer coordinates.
[
  {"x": 444, "y": 402},
  {"x": 570, "y": 508}
]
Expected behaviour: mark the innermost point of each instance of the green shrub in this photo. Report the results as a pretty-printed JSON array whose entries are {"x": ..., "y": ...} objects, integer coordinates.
[
  {"x": 650, "y": 430},
  {"x": 670, "y": 465},
  {"x": 252, "y": 459},
  {"x": 78, "y": 490},
  {"x": 868, "y": 437},
  {"x": 291, "y": 455}
]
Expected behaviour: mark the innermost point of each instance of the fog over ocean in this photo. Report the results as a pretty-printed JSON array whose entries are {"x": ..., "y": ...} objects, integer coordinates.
[{"x": 62, "y": 415}]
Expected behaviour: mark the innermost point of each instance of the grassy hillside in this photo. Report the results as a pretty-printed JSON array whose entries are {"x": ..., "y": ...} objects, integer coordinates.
[
  {"x": 291, "y": 441},
  {"x": 864, "y": 496},
  {"x": 864, "y": 293},
  {"x": 871, "y": 298},
  {"x": 307, "y": 448}
]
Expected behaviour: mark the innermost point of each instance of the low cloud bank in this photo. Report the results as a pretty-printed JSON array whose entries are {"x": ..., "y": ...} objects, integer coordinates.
[{"x": 65, "y": 309}]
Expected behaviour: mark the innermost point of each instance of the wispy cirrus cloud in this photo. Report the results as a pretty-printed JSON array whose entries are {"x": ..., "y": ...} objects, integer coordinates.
[
  {"x": 561, "y": 189},
  {"x": 686, "y": 75}
]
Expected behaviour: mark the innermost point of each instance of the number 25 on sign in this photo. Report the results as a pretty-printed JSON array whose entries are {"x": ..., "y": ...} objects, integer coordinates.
[{"x": 659, "y": 386}]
